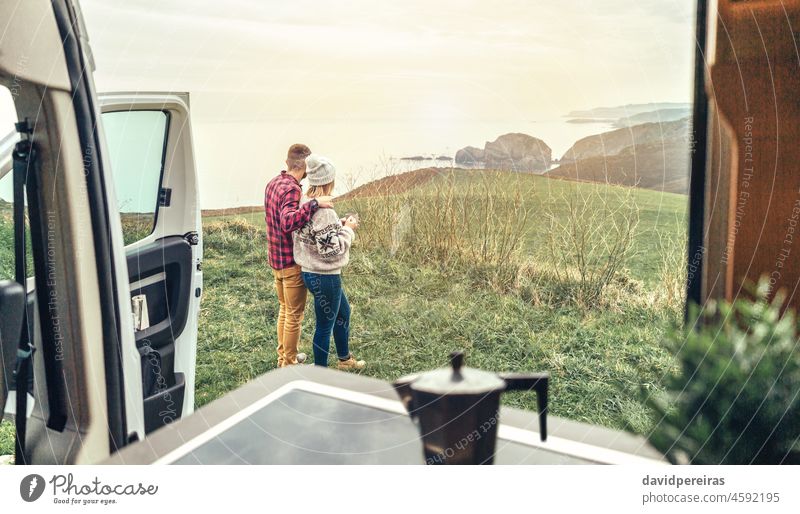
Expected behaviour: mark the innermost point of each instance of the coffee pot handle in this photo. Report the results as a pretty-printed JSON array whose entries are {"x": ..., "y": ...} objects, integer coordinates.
[
  {"x": 539, "y": 382},
  {"x": 403, "y": 388}
]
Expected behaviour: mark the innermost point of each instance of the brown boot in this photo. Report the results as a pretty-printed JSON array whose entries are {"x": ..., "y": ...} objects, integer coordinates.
[
  {"x": 301, "y": 358},
  {"x": 350, "y": 363}
]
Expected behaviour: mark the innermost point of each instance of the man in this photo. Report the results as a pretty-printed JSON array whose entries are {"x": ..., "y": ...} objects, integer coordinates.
[{"x": 284, "y": 215}]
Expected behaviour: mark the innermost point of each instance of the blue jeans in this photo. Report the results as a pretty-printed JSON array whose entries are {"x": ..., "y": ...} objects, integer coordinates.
[{"x": 332, "y": 313}]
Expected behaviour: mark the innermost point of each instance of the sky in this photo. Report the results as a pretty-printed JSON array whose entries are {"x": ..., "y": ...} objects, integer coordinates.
[{"x": 362, "y": 80}]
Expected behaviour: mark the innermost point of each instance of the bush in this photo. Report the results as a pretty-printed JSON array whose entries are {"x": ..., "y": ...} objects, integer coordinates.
[
  {"x": 734, "y": 399},
  {"x": 452, "y": 224},
  {"x": 590, "y": 237}
]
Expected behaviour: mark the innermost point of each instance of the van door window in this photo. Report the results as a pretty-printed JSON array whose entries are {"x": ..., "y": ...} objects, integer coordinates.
[
  {"x": 136, "y": 143},
  {"x": 8, "y": 137}
]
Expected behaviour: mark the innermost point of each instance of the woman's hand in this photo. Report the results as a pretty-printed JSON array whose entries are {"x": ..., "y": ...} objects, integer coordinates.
[{"x": 351, "y": 222}]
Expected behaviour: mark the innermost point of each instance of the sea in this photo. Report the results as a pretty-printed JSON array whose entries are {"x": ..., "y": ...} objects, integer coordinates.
[{"x": 236, "y": 159}]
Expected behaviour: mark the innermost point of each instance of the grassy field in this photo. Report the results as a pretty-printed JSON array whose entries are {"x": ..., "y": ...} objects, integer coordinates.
[
  {"x": 410, "y": 311},
  {"x": 420, "y": 289},
  {"x": 408, "y": 318},
  {"x": 662, "y": 216}
]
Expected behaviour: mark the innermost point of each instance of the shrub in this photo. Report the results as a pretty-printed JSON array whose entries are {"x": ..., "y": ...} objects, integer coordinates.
[
  {"x": 734, "y": 399},
  {"x": 590, "y": 237}
]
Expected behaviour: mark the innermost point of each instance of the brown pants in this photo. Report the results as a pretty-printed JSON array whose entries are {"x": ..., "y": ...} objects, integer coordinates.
[{"x": 292, "y": 300}]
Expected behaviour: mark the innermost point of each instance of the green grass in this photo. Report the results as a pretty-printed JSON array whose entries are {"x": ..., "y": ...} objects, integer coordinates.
[
  {"x": 408, "y": 318},
  {"x": 6, "y": 438},
  {"x": 6, "y": 246},
  {"x": 409, "y": 314},
  {"x": 7, "y": 273}
]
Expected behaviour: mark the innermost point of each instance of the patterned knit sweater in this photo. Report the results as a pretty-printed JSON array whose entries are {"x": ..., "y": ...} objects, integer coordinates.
[{"x": 322, "y": 245}]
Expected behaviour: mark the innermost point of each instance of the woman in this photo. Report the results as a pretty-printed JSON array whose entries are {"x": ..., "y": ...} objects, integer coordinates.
[{"x": 322, "y": 249}]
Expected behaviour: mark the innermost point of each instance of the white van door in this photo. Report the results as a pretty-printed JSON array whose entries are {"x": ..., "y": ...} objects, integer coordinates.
[
  {"x": 105, "y": 191},
  {"x": 151, "y": 156}
]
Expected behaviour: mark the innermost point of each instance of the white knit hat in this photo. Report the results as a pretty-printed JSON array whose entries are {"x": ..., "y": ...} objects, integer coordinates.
[{"x": 320, "y": 170}]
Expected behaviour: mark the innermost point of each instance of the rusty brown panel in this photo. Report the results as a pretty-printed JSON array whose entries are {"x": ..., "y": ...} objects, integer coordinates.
[
  {"x": 756, "y": 85},
  {"x": 755, "y": 25}
]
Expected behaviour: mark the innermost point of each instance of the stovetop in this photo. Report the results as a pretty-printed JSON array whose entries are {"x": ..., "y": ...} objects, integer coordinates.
[
  {"x": 303, "y": 415},
  {"x": 302, "y": 427}
]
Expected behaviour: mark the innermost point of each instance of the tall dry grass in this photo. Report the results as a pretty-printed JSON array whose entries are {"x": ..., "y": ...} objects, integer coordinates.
[
  {"x": 477, "y": 224},
  {"x": 672, "y": 252},
  {"x": 451, "y": 223},
  {"x": 590, "y": 238}
]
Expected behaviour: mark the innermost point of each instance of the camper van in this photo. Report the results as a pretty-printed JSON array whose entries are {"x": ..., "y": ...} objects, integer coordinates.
[{"x": 99, "y": 325}]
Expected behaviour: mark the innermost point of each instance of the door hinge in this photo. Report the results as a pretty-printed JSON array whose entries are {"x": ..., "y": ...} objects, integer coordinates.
[
  {"x": 164, "y": 196},
  {"x": 192, "y": 238}
]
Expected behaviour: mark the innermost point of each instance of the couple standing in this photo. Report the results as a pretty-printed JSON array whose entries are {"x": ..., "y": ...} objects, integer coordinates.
[{"x": 308, "y": 247}]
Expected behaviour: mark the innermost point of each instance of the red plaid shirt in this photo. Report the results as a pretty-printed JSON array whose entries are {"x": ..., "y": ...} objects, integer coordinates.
[{"x": 283, "y": 216}]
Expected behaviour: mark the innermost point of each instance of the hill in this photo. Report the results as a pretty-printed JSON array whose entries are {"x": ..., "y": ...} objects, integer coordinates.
[
  {"x": 649, "y": 155},
  {"x": 613, "y": 142},
  {"x": 658, "y": 166},
  {"x": 510, "y": 152},
  {"x": 658, "y": 116}
]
